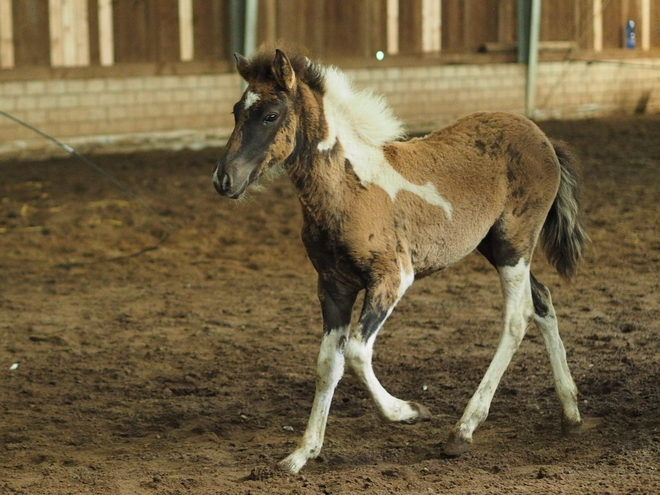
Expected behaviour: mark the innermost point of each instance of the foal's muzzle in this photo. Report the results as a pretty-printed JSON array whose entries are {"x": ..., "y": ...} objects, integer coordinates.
[{"x": 230, "y": 181}]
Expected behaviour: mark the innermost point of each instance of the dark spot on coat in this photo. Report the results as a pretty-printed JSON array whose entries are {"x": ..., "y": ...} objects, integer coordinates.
[
  {"x": 514, "y": 155},
  {"x": 521, "y": 210},
  {"x": 481, "y": 146},
  {"x": 518, "y": 192},
  {"x": 510, "y": 175}
]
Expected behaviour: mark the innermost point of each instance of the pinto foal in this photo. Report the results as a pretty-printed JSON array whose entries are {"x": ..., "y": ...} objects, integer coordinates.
[{"x": 379, "y": 212}]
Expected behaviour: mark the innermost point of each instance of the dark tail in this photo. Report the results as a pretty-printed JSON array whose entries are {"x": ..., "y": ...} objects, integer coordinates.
[{"x": 563, "y": 235}]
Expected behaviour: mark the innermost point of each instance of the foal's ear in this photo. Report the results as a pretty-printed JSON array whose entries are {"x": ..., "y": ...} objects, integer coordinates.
[
  {"x": 283, "y": 71},
  {"x": 242, "y": 65}
]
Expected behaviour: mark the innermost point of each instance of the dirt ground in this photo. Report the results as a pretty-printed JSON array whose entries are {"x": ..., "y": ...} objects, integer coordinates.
[{"x": 189, "y": 367}]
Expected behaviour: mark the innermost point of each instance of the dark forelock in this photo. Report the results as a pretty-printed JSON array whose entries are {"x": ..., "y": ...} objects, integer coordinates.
[{"x": 312, "y": 74}]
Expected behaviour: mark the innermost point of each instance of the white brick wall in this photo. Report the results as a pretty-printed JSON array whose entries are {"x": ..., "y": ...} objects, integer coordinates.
[{"x": 107, "y": 114}]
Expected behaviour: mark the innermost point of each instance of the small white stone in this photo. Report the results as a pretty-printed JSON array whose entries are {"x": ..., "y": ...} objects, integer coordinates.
[{"x": 13, "y": 366}]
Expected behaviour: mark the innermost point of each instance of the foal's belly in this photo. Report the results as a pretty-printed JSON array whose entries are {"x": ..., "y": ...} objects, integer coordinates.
[{"x": 440, "y": 246}]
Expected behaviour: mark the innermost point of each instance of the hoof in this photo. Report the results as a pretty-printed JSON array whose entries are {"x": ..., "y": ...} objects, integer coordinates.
[
  {"x": 456, "y": 445},
  {"x": 291, "y": 464},
  {"x": 571, "y": 428},
  {"x": 423, "y": 414}
]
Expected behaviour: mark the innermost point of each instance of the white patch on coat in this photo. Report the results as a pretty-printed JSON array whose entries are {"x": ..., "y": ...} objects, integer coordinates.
[
  {"x": 250, "y": 99},
  {"x": 363, "y": 123}
]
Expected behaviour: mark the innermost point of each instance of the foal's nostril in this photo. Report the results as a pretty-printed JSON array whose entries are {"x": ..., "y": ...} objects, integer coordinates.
[{"x": 226, "y": 182}]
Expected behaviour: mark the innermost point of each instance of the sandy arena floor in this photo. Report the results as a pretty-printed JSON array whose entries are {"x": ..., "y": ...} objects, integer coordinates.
[{"x": 189, "y": 368}]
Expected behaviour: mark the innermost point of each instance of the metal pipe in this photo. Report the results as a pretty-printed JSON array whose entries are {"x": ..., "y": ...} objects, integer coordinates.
[{"x": 533, "y": 58}]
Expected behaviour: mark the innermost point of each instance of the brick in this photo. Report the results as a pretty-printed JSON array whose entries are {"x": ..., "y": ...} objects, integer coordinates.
[
  {"x": 76, "y": 86},
  {"x": 95, "y": 85},
  {"x": 35, "y": 87},
  {"x": 26, "y": 102}
]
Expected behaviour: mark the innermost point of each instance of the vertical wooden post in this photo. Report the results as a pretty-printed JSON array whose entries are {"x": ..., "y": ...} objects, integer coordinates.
[
  {"x": 598, "y": 25},
  {"x": 56, "y": 34},
  {"x": 6, "y": 35},
  {"x": 431, "y": 25},
  {"x": 106, "y": 33},
  {"x": 392, "y": 27},
  {"x": 186, "y": 34},
  {"x": 645, "y": 10},
  {"x": 69, "y": 33}
]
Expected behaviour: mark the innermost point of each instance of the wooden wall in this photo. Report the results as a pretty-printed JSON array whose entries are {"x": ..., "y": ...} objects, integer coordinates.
[{"x": 149, "y": 31}]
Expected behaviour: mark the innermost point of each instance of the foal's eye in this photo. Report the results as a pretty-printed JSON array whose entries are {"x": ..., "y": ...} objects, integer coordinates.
[{"x": 270, "y": 118}]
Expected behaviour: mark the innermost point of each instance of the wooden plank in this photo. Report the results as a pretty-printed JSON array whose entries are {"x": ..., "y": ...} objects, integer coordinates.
[
  {"x": 343, "y": 28},
  {"x": 69, "y": 33},
  {"x": 452, "y": 22},
  {"x": 93, "y": 27},
  {"x": 392, "y": 27},
  {"x": 146, "y": 30},
  {"x": 613, "y": 23},
  {"x": 186, "y": 33},
  {"x": 81, "y": 32},
  {"x": 164, "y": 35},
  {"x": 410, "y": 20},
  {"x": 645, "y": 24},
  {"x": 598, "y": 25},
  {"x": 211, "y": 29},
  {"x": 557, "y": 20},
  {"x": 56, "y": 33},
  {"x": 373, "y": 27},
  {"x": 655, "y": 25},
  {"x": 267, "y": 30},
  {"x": 30, "y": 28},
  {"x": 6, "y": 35},
  {"x": 479, "y": 23},
  {"x": 431, "y": 25},
  {"x": 106, "y": 33},
  {"x": 506, "y": 21}
]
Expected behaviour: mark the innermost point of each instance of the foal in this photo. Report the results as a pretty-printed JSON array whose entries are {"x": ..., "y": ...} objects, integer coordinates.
[{"x": 379, "y": 212}]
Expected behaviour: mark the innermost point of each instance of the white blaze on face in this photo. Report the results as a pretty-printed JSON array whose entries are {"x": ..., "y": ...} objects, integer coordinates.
[{"x": 250, "y": 99}]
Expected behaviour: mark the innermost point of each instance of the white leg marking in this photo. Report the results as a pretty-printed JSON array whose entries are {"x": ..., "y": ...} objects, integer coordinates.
[
  {"x": 330, "y": 368},
  {"x": 250, "y": 99},
  {"x": 358, "y": 357},
  {"x": 518, "y": 310},
  {"x": 564, "y": 384}
]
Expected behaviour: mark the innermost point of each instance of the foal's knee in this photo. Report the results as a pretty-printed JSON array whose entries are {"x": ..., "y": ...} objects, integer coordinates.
[{"x": 356, "y": 354}]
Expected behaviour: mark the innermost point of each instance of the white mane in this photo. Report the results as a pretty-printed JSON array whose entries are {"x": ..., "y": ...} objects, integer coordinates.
[
  {"x": 362, "y": 122},
  {"x": 362, "y": 113}
]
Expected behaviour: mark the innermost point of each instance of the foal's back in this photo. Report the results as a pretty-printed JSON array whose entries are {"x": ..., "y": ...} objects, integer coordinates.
[{"x": 494, "y": 169}]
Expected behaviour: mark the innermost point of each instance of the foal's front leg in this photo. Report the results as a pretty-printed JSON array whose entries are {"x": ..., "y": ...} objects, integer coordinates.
[
  {"x": 336, "y": 305},
  {"x": 379, "y": 302}
]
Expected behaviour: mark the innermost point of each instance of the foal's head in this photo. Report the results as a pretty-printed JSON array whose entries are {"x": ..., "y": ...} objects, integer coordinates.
[{"x": 267, "y": 118}]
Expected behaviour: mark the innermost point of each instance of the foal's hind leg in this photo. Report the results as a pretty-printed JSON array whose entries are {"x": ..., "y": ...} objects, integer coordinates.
[
  {"x": 359, "y": 351},
  {"x": 518, "y": 310},
  {"x": 546, "y": 321}
]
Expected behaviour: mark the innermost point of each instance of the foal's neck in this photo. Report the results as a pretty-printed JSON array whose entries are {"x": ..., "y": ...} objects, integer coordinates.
[{"x": 319, "y": 178}]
